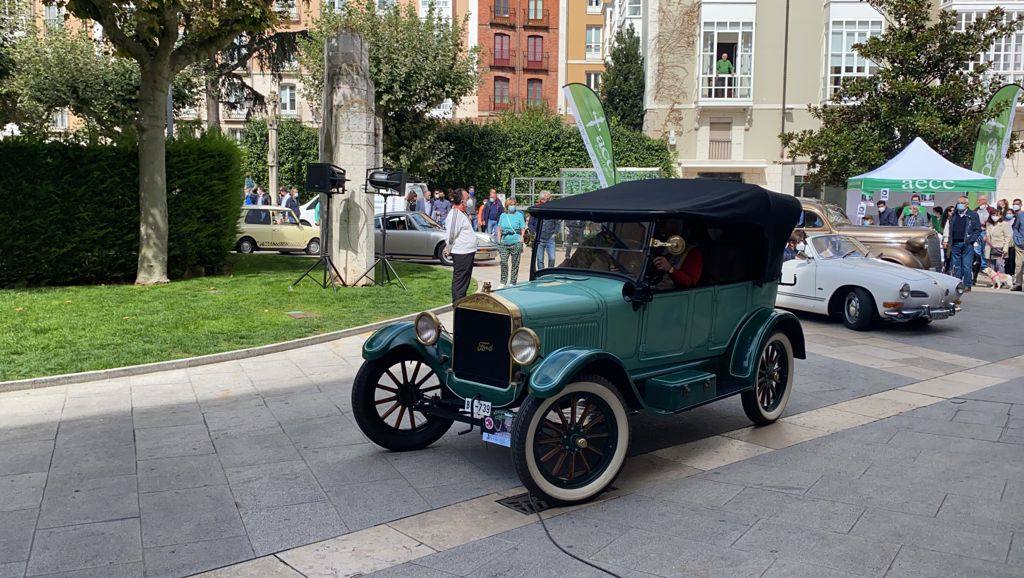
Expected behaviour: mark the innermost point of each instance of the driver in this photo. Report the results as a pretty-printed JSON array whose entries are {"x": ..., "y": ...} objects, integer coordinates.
[{"x": 679, "y": 271}]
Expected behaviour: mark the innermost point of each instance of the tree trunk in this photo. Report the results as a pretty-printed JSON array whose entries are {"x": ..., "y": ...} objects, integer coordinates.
[
  {"x": 212, "y": 102},
  {"x": 153, "y": 174}
]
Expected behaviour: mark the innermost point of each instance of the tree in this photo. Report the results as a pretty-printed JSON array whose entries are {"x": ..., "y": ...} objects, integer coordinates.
[
  {"x": 622, "y": 85},
  {"x": 164, "y": 37},
  {"x": 65, "y": 69},
  {"x": 922, "y": 88},
  {"x": 415, "y": 64},
  {"x": 297, "y": 145}
]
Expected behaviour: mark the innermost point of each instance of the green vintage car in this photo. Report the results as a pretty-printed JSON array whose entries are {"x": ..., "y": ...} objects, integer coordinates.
[{"x": 665, "y": 302}]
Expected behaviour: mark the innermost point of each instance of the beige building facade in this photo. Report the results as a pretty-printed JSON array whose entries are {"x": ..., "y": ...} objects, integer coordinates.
[{"x": 724, "y": 120}]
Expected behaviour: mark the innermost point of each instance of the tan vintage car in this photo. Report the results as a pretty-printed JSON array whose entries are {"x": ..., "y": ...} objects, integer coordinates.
[
  {"x": 915, "y": 247},
  {"x": 273, "y": 228}
]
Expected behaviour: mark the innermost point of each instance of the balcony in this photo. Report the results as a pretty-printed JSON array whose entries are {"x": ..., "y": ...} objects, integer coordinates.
[
  {"x": 502, "y": 103},
  {"x": 726, "y": 88},
  {"x": 719, "y": 149},
  {"x": 503, "y": 59},
  {"x": 533, "y": 18},
  {"x": 503, "y": 16},
  {"x": 535, "y": 61}
]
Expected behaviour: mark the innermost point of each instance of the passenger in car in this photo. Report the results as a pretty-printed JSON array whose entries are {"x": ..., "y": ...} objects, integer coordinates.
[{"x": 680, "y": 271}]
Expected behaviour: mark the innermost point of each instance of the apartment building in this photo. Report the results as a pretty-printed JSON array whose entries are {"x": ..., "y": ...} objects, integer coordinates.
[
  {"x": 518, "y": 56},
  {"x": 726, "y": 124}
]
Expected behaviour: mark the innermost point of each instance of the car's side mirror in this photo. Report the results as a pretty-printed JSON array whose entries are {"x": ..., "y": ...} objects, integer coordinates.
[{"x": 637, "y": 293}]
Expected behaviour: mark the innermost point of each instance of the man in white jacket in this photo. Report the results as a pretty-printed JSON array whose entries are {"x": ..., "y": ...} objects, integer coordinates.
[{"x": 461, "y": 246}]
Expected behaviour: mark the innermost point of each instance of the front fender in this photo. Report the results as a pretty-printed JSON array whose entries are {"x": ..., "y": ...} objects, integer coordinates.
[
  {"x": 755, "y": 330},
  {"x": 388, "y": 337},
  {"x": 559, "y": 367}
]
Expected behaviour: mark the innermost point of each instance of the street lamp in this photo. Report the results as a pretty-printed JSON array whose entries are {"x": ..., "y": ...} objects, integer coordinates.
[{"x": 273, "y": 102}]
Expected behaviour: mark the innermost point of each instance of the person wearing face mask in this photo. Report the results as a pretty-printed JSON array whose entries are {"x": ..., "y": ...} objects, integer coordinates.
[
  {"x": 440, "y": 208},
  {"x": 1016, "y": 219},
  {"x": 984, "y": 211},
  {"x": 510, "y": 228},
  {"x": 997, "y": 243},
  {"x": 961, "y": 231},
  {"x": 915, "y": 201},
  {"x": 886, "y": 216}
]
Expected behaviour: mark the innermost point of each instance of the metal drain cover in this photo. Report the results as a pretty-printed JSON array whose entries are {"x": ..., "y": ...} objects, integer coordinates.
[{"x": 522, "y": 504}]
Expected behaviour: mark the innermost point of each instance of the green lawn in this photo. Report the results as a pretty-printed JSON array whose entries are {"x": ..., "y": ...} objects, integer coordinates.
[{"x": 49, "y": 331}]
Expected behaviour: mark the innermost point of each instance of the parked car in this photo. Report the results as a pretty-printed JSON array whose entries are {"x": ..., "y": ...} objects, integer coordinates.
[
  {"x": 271, "y": 227},
  {"x": 307, "y": 212},
  {"x": 836, "y": 275},
  {"x": 553, "y": 367},
  {"x": 414, "y": 235},
  {"x": 916, "y": 247}
]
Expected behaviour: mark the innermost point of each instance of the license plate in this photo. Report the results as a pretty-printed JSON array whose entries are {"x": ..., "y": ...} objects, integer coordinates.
[
  {"x": 497, "y": 428},
  {"x": 479, "y": 409},
  {"x": 939, "y": 314}
]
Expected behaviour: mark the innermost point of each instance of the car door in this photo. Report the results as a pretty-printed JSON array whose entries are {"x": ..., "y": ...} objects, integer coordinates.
[
  {"x": 291, "y": 234},
  {"x": 799, "y": 284},
  {"x": 258, "y": 226},
  {"x": 402, "y": 237},
  {"x": 665, "y": 325}
]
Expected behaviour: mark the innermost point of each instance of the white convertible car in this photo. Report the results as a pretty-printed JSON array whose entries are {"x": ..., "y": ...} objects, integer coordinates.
[{"x": 834, "y": 275}]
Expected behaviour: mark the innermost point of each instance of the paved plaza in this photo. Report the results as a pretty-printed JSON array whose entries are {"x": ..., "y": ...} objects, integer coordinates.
[{"x": 902, "y": 453}]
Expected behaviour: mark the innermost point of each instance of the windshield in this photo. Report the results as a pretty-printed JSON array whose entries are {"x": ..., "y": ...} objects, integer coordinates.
[
  {"x": 836, "y": 216},
  {"x": 838, "y": 247},
  {"x": 424, "y": 222},
  {"x": 602, "y": 246}
]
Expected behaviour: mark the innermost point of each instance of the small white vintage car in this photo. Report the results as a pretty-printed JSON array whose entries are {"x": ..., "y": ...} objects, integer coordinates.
[{"x": 833, "y": 274}]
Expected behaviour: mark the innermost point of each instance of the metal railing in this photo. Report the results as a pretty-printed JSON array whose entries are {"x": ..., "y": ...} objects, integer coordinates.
[
  {"x": 725, "y": 86},
  {"x": 503, "y": 16},
  {"x": 535, "y": 61},
  {"x": 503, "y": 58},
  {"x": 719, "y": 149},
  {"x": 501, "y": 103},
  {"x": 533, "y": 18}
]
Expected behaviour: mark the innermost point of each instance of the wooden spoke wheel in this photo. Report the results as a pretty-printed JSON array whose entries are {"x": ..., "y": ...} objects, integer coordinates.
[
  {"x": 772, "y": 383},
  {"x": 384, "y": 398},
  {"x": 568, "y": 448}
]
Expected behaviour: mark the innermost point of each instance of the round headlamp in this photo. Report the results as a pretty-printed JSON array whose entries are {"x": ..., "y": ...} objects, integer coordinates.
[
  {"x": 428, "y": 328},
  {"x": 524, "y": 345},
  {"x": 960, "y": 289},
  {"x": 905, "y": 291}
]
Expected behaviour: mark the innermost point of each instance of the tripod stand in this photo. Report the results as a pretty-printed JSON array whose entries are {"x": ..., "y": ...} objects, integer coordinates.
[
  {"x": 331, "y": 275},
  {"x": 387, "y": 274}
]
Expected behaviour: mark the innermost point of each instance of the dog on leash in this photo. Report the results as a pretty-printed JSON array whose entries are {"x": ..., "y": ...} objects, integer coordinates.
[{"x": 999, "y": 280}]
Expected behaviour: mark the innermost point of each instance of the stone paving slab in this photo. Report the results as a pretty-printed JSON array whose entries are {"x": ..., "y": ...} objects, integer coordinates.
[{"x": 232, "y": 461}]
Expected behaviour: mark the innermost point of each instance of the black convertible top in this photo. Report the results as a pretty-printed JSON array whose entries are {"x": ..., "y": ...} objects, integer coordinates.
[{"x": 774, "y": 214}]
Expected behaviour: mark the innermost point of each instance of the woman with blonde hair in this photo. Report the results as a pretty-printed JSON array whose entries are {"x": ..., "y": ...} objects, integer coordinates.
[{"x": 509, "y": 231}]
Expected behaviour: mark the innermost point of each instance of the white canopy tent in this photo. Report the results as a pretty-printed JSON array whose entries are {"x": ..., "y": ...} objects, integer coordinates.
[{"x": 916, "y": 169}]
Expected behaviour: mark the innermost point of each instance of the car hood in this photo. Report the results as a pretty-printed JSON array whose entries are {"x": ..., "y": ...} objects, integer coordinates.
[
  {"x": 558, "y": 296},
  {"x": 878, "y": 266}
]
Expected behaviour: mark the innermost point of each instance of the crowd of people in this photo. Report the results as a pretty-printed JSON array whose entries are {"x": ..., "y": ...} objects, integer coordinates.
[{"x": 254, "y": 194}]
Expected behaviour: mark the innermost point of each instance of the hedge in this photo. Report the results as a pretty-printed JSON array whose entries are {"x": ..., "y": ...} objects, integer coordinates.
[
  {"x": 297, "y": 146},
  {"x": 535, "y": 143},
  {"x": 71, "y": 212}
]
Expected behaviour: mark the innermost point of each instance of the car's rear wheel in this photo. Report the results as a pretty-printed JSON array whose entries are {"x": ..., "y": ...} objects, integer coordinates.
[
  {"x": 570, "y": 447},
  {"x": 384, "y": 395},
  {"x": 445, "y": 260},
  {"x": 246, "y": 245},
  {"x": 773, "y": 381},
  {"x": 858, "y": 309},
  {"x": 313, "y": 248}
]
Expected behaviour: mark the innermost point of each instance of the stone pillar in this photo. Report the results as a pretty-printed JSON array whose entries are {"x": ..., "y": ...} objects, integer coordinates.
[
  {"x": 272, "y": 108},
  {"x": 350, "y": 137}
]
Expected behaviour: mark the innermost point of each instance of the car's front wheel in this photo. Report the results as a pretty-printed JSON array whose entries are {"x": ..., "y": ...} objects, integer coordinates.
[
  {"x": 313, "y": 248},
  {"x": 384, "y": 396},
  {"x": 773, "y": 382},
  {"x": 245, "y": 245},
  {"x": 858, "y": 309},
  {"x": 570, "y": 447}
]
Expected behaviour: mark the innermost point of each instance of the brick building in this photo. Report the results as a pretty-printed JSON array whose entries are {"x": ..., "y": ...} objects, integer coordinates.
[{"x": 518, "y": 55}]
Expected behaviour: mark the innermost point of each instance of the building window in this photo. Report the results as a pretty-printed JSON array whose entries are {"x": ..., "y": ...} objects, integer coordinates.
[
  {"x": 383, "y": 5},
  {"x": 502, "y": 55},
  {"x": 235, "y": 105},
  {"x": 501, "y": 8},
  {"x": 633, "y": 8},
  {"x": 289, "y": 8},
  {"x": 442, "y": 8},
  {"x": 335, "y": 5},
  {"x": 502, "y": 98},
  {"x": 594, "y": 81},
  {"x": 237, "y": 134},
  {"x": 594, "y": 6},
  {"x": 288, "y": 99},
  {"x": 843, "y": 61},
  {"x": 802, "y": 188},
  {"x": 727, "y": 60},
  {"x": 1006, "y": 54},
  {"x": 534, "y": 92},
  {"x": 535, "y": 10},
  {"x": 59, "y": 120},
  {"x": 534, "y": 49},
  {"x": 593, "y": 48},
  {"x": 53, "y": 16}
]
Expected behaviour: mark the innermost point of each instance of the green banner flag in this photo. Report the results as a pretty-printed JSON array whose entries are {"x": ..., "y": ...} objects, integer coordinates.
[
  {"x": 994, "y": 135},
  {"x": 593, "y": 125}
]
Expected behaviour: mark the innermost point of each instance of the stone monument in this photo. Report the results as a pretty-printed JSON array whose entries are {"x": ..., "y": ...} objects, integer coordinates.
[{"x": 350, "y": 137}]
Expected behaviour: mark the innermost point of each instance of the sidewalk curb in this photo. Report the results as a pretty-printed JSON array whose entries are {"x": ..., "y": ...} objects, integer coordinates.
[{"x": 116, "y": 372}]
